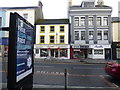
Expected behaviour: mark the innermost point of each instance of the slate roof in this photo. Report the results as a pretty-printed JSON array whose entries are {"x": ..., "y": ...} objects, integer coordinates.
[
  {"x": 115, "y": 19},
  {"x": 52, "y": 21}
]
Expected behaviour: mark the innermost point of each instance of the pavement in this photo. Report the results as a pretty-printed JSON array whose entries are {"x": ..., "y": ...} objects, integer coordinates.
[{"x": 78, "y": 61}]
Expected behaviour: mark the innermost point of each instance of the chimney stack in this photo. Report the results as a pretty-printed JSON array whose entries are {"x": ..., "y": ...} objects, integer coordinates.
[{"x": 40, "y": 4}]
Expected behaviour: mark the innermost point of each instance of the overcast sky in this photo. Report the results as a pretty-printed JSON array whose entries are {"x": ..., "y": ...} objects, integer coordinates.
[{"x": 53, "y": 9}]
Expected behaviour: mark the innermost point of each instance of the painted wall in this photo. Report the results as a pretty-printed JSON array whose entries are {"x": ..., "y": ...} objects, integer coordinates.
[{"x": 56, "y": 33}]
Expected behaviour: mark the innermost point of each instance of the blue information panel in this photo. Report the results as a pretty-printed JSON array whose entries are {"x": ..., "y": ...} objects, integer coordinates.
[{"x": 24, "y": 50}]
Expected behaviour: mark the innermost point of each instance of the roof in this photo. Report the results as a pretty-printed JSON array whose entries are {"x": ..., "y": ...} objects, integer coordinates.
[
  {"x": 52, "y": 21},
  {"x": 115, "y": 19},
  {"x": 29, "y": 7}
]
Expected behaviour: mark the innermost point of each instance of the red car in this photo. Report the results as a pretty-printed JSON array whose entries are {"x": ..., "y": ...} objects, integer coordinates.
[{"x": 113, "y": 68}]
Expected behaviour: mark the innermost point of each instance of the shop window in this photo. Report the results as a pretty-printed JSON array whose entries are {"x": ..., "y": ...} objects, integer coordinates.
[
  {"x": 62, "y": 28},
  {"x": 63, "y": 53},
  {"x": 62, "y": 39},
  {"x": 76, "y": 21},
  {"x": 118, "y": 53},
  {"x": 90, "y": 51},
  {"x": 76, "y": 35},
  {"x": 98, "y": 51},
  {"x": 43, "y": 53},
  {"x": 42, "y": 28},
  {"x": 51, "y": 39},
  {"x": 82, "y": 35},
  {"x": 37, "y": 51}
]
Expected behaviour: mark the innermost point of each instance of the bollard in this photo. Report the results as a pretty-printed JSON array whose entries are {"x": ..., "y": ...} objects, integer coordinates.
[{"x": 65, "y": 79}]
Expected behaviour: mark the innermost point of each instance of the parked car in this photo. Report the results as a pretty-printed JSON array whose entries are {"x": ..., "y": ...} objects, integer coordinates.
[{"x": 112, "y": 68}]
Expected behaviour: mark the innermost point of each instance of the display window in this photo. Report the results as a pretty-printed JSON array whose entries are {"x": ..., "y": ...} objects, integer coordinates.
[
  {"x": 43, "y": 53},
  {"x": 63, "y": 53}
]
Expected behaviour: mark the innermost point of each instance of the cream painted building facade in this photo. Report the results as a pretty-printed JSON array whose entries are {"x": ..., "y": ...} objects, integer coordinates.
[{"x": 52, "y": 39}]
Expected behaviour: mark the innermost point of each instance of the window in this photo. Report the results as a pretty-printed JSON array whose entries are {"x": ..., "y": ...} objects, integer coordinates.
[
  {"x": 90, "y": 21},
  {"x": 51, "y": 39},
  {"x": 61, "y": 28},
  {"x": 42, "y": 28},
  {"x": 42, "y": 41},
  {"x": 98, "y": 21},
  {"x": 82, "y": 21},
  {"x": 37, "y": 51},
  {"x": 76, "y": 21},
  {"x": 52, "y": 28},
  {"x": 76, "y": 35},
  {"x": 61, "y": 39},
  {"x": 105, "y": 35},
  {"x": 98, "y": 51},
  {"x": 82, "y": 35},
  {"x": 99, "y": 35},
  {"x": 105, "y": 21},
  {"x": 90, "y": 51},
  {"x": 90, "y": 35},
  {"x": 43, "y": 53},
  {"x": 63, "y": 53},
  {"x": 25, "y": 16}
]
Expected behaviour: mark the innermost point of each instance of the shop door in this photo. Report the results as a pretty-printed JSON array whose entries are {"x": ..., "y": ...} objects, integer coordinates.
[
  {"x": 54, "y": 53},
  {"x": 107, "y": 54}
]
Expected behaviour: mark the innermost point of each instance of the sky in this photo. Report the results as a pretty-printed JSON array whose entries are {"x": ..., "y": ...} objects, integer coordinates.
[{"x": 55, "y": 9}]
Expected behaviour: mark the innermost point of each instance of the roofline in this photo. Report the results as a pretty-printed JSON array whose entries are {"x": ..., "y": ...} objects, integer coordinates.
[{"x": 20, "y": 7}]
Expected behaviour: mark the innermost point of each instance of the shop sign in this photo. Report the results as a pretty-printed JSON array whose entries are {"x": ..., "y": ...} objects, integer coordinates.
[
  {"x": 118, "y": 45},
  {"x": 84, "y": 46},
  {"x": 76, "y": 46},
  {"x": 98, "y": 46},
  {"x": 76, "y": 49}
]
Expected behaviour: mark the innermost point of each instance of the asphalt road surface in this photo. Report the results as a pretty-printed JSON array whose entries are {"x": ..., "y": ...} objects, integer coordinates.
[{"x": 78, "y": 75}]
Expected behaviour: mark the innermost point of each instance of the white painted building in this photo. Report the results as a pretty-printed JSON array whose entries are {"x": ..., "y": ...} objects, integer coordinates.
[{"x": 52, "y": 39}]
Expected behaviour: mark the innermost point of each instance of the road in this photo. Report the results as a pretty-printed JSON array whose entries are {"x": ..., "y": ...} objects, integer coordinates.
[{"x": 78, "y": 75}]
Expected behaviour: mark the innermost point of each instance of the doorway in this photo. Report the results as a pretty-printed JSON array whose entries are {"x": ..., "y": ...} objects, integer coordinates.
[
  {"x": 54, "y": 53},
  {"x": 107, "y": 54}
]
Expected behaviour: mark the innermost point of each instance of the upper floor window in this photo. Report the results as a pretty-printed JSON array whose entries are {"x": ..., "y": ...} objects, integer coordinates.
[
  {"x": 25, "y": 16},
  {"x": 52, "y": 39},
  {"x": 62, "y": 29},
  {"x": 90, "y": 21},
  {"x": 105, "y": 21},
  {"x": 42, "y": 28},
  {"x": 62, "y": 39},
  {"x": 76, "y": 21},
  {"x": 42, "y": 39},
  {"x": 99, "y": 35},
  {"x": 91, "y": 34},
  {"x": 98, "y": 21},
  {"x": 76, "y": 35},
  {"x": 82, "y": 21},
  {"x": 52, "y": 28},
  {"x": 105, "y": 35},
  {"x": 82, "y": 35}
]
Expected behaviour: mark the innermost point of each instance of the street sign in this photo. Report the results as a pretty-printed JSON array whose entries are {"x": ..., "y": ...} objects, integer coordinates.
[{"x": 20, "y": 54}]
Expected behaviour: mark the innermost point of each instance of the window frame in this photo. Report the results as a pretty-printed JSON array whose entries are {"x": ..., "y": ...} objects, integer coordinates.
[
  {"x": 50, "y": 39},
  {"x": 41, "y": 29},
  {"x": 51, "y": 29},
  {"x": 43, "y": 40},
  {"x": 62, "y": 39}
]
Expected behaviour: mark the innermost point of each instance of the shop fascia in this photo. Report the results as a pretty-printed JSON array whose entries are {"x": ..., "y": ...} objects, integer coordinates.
[
  {"x": 100, "y": 46},
  {"x": 52, "y": 46}
]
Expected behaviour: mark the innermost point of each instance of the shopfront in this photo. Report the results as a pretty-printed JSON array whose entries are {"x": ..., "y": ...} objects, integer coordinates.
[
  {"x": 99, "y": 52},
  {"x": 116, "y": 50},
  {"x": 79, "y": 51},
  {"x": 54, "y": 51}
]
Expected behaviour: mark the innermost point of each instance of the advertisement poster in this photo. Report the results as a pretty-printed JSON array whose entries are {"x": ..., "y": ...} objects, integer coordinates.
[{"x": 24, "y": 50}]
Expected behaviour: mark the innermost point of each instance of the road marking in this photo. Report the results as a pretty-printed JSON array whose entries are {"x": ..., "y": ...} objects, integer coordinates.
[
  {"x": 106, "y": 81},
  {"x": 85, "y": 68},
  {"x": 44, "y": 66}
]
